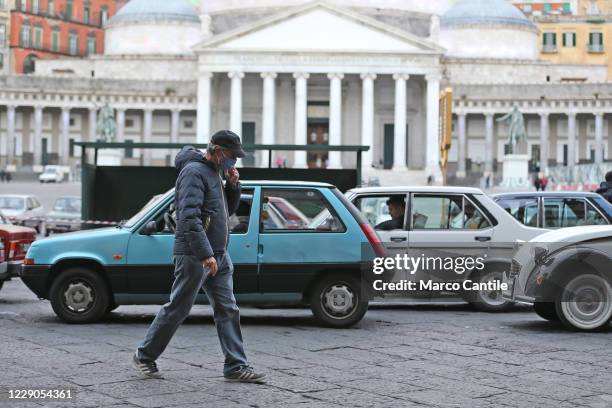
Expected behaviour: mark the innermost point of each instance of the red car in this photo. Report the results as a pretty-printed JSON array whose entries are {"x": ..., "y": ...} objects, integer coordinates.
[{"x": 14, "y": 243}]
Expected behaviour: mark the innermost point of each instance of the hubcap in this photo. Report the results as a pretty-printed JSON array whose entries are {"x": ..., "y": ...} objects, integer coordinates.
[
  {"x": 491, "y": 297},
  {"x": 79, "y": 297},
  {"x": 587, "y": 302},
  {"x": 338, "y": 300}
]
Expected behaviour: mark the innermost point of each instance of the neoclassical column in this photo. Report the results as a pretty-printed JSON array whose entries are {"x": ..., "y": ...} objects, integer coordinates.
[
  {"x": 120, "y": 125},
  {"x": 488, "y": 154},
  {"x": 432, "y": 166},
  {"x": 399, "y": 133},
  {"x": 335, "y": 117},
  {"x": 268, "y": 112},
  {"x": 147, "y": 135},
  {"x": 571, "y": 139},
  {"x": 65, "y": 136},
  {"x": 367, "y": 116},
  {"x": 38, "y": 125},
  {"x": 10, "y": 133},
  {"x": 235, "y": 124},
  {"x": 175, "y": 116},
  {"x": 301, "y": 95},
  {"x": 203, "y": 109},
  {"x": 93, "y": 114},
  {"x": 599, "y": 148},
  {"x": 544, "y": 141},
  {"x": 461, "y": 143}
]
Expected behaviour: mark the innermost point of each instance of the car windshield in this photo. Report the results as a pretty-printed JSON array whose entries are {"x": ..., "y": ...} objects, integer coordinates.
[
  {"x": 152, "y": 203},
  {"x": 12, "y": 203},
  {"x": 50, "y": 170},
  {"x": 68, "y": 204}
]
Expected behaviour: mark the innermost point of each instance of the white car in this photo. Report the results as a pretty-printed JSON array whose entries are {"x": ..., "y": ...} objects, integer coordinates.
[
  {"x": 51, "y": 174},
  {"x": 22, "y": 209},
  {"x": 567, "y": 275},
  {"x": 451, "y": 220}
]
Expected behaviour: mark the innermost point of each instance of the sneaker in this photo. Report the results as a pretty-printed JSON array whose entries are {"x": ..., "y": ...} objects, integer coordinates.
[
  {"x": 246, "y": 374},
  {"x": 148, "y": 370}
]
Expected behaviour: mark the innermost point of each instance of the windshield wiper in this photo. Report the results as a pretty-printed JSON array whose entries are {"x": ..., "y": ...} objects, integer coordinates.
[{"x": 121, "y": 223}]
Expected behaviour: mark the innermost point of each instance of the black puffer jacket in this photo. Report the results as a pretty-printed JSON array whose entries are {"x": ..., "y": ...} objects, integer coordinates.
[
  {"x": 203, "y": 206},
  {"x": 605, "y": 190}
]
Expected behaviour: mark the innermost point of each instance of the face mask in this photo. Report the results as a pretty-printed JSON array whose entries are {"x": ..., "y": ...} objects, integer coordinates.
[{"x": 227, "y": 164}]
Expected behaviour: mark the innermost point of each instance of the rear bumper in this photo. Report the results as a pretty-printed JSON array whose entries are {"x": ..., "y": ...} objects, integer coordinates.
[
  {"x": 14, "y": 268},
  {"x": 4, "y": 274},
  {"x": 35, "y": 277}
]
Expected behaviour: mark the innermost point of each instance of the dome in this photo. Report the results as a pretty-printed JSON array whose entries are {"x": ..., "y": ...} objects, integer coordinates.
[
  {"x": 470, "y": 13},
  {"x": 146, "y": 11}
]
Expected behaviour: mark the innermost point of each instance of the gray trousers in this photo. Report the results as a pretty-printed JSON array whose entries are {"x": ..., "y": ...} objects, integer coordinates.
[{"x": 189, "y": 277}]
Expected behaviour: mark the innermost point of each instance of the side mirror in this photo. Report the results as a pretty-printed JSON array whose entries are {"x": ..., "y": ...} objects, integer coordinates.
[{"x": 149, "y": 228}]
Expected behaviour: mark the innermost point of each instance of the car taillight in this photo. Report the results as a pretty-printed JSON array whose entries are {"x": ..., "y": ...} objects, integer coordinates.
[
  {"x": 28, "y": 261},
  {"x": 17, "y": 250},
  {"x": 2, "y": 254},
  {"x": 373, "y": 239}
]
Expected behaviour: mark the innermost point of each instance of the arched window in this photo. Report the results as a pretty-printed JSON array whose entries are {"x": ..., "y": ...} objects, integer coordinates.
[
  {"x": 29, "y": 64},
  {"x": 91, "y": 43},
  {"x": 24, "y": 35},
  {"x": 73, "y": 43}
]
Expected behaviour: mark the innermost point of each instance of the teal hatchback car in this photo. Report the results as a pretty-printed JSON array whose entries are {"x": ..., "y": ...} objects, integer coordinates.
[{"x": 292, "y": 243}]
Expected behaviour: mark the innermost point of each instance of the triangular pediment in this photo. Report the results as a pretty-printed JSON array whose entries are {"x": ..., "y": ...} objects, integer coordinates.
[{"x": 320, "y": 27}]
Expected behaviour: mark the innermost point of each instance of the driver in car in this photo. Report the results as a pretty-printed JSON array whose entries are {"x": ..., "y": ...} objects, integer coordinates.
[{"x": 397, "y": 208}]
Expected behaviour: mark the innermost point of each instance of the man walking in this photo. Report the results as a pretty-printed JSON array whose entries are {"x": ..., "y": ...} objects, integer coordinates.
[{"x": 203, "y": 207}]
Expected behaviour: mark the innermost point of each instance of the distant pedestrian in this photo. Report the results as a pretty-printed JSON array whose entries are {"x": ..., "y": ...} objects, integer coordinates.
[
  {"x": 605, "y": 188},
  {"x": 536, "y": 182},
  {"x": 8, "y": 176},
  {"x": 543, "y": 182},
  {"x": 279, "y": 162},
  {"x": 488, "y": 181},
  {"x": 2, "y": 176}
]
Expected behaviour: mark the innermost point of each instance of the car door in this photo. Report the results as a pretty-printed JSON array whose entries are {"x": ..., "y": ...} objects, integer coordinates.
[
  {"x": 150, "y": 261},
  {"x": 376, "y": 209},
  {"x": 294, "y": 243},
  {"x": 443, "y": 226}
]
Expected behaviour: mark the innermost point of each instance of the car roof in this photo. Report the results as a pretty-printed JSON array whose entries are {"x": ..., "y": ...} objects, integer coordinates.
[
  {"x": 287, "y": 183},
  {"x": 17, "y": 195},
  {"x": 546, "y": 194},
  {"x": 418, "y": 189}
]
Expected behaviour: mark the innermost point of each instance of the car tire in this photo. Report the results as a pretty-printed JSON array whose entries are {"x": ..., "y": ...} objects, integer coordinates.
[
  {"x": 79, "y": 295},
  {"x": 546, "y": 310},
  {"x": 349, "y": 307},
  {"x": 488, "y": 300},
  {"x": 585, "y": 302}
]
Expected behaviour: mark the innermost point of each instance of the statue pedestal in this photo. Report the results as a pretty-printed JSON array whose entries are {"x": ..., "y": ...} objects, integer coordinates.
[
  {"x": 516, "y": 171},
  {"x": 109, "y": 157}
]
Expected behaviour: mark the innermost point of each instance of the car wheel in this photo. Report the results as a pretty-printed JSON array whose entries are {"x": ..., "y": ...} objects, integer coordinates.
[
  {"x": 337, "y": 301},
  {"x": 585, "y": 303},
  {"x": 488, "y": 300},
  {"x": 546, "y": 310},
  {"x": 79, "y": 295}
]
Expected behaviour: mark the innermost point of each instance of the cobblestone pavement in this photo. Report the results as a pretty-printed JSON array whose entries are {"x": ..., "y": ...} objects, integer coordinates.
[{"x": 426, "y": 355}]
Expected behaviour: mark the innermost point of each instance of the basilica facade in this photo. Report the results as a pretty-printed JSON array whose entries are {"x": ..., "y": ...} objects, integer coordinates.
[{"x": 341, "y": 72}]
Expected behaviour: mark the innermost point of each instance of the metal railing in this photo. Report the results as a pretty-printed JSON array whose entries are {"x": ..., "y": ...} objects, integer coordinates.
[
  {"x": 549, "y": 48},
  {"x": 596, "y": 48}
]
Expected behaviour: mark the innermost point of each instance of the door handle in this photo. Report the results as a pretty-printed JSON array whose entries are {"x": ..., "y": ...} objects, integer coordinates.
[
  {"x": 260, "y": 249},
  {"x": 398, "y": 239},
  {"x": 482, "y": 239}
]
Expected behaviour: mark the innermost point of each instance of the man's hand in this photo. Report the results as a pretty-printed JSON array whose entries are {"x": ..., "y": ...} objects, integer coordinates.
[
  {"x": 211, "y": 265},
  {"x": 232, "y": 176}
]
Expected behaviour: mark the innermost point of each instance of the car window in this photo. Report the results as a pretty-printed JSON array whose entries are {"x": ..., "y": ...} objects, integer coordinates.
[
  {"x": 569, "y": 212},
  {"x": 148, "y": 207},
  {"x": 604, "y": 205},
  {"x": 68, "y": 204},
  {"x": 436, "y": 211},
  {"x": 594, "y": 217},
  {"x": 239, "y": 222},
  {"x": 297, "y": 209},
  {"x": 12, "y": 203},
  {"x": 524, "y": 209},
  {"x": 30, "y": 203},
  {"x": 383, "y": 212}
]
